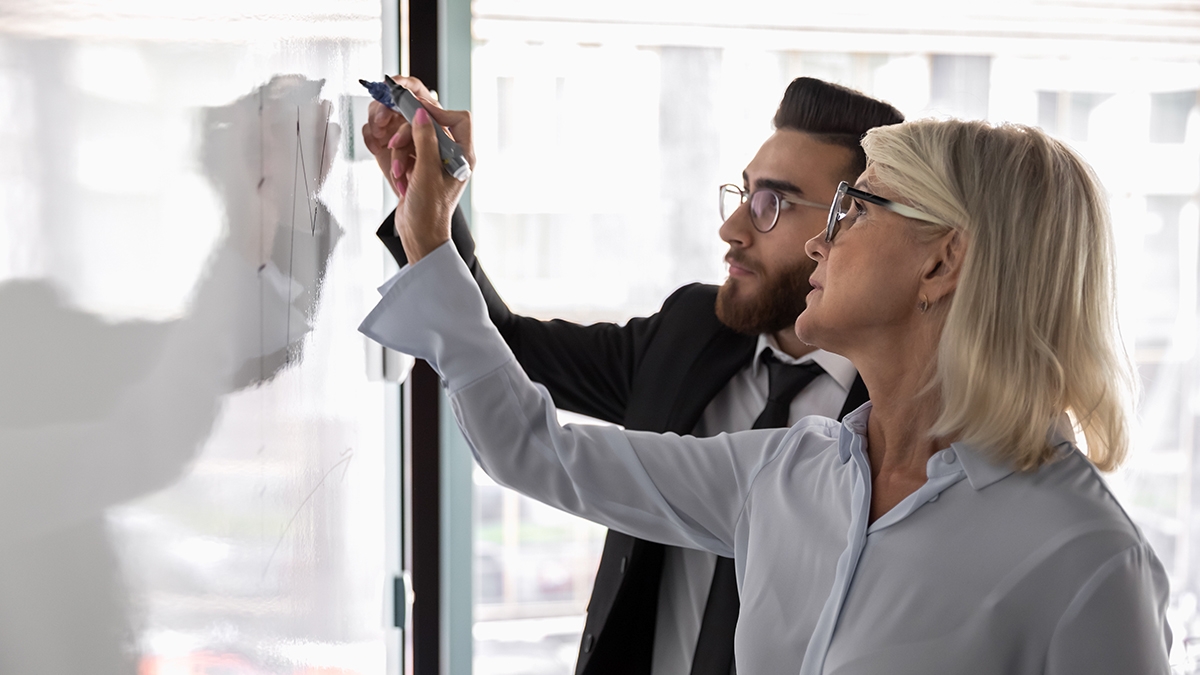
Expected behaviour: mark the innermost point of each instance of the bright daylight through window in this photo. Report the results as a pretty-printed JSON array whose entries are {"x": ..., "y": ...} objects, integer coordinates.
[{"x": 601, "y": 140}]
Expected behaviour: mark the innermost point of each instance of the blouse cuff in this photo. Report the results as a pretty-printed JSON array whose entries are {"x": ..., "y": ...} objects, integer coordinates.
[{"x": 433, "y": 310}]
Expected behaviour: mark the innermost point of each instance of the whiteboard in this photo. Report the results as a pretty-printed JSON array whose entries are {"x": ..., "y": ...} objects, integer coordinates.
[{"x": 192, "y": 456}]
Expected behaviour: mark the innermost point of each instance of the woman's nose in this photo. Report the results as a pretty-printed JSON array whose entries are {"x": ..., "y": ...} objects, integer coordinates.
[{"x": 817, "y": 248}]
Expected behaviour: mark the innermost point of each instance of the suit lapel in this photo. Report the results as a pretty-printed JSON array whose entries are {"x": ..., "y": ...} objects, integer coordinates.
[
  {"x": 692, "y": 358},
  {"x": 724, "y": 355}
]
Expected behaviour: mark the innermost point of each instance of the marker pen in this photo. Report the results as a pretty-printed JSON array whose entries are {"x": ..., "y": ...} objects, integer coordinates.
[{"x": 396, "y": 97}]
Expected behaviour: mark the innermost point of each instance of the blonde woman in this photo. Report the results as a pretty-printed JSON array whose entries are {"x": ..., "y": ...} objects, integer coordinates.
[{"x": 952, "y": 524}]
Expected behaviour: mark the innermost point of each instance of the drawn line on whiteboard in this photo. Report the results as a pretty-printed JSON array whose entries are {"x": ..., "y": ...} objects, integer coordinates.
[
  {"x": 287, "y": 345},
  {"x": 310, "y": 208},
  {"x": 309, "y": 200},
  {"x": 304, "y": 169},
  {"x": 345, "y": 460},
  {"x": 320, "y": 168},
  {"x": 262, "y": 247}
]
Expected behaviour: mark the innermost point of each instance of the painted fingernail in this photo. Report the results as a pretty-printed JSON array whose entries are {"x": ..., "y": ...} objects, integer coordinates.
[
  {"x": 396, "y": 168},
  {"x": 422, "y": 117},
  {"x": 395, "y": 140}
]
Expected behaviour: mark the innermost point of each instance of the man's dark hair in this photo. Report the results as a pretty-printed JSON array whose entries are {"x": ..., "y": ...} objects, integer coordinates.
[{"x": 834, "y": 114}]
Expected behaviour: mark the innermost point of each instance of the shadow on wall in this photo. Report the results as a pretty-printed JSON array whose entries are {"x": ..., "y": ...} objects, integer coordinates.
[{"x": 94, "y": 414}]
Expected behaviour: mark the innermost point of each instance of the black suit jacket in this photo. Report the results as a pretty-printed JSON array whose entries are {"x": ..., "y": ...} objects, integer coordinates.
[{"x": 656, "y": 373}]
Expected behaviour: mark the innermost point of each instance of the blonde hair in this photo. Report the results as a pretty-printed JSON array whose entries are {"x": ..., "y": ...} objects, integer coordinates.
[{"x": 1030, "y": 332}]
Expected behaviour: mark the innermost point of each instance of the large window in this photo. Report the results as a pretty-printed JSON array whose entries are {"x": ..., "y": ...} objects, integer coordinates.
[{"x": 601, "y": 140}]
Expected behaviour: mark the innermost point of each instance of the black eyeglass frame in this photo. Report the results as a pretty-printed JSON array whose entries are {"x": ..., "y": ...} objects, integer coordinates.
[
  {"x": 846, "y": 190},
  {"x": 744, "y": 196}
]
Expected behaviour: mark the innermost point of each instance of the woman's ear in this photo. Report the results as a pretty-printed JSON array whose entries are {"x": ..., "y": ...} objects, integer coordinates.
[{"x": 942, "y": 270}]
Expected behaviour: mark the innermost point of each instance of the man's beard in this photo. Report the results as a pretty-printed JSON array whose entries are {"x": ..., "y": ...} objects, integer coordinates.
[{"x": 776, "y": 305}]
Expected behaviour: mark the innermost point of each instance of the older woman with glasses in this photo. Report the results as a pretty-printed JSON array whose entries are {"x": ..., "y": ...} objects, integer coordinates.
[{"x": 955, "y": 523}]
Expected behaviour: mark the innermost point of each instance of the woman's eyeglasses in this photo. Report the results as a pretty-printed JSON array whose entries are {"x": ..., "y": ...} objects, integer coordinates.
[{"x": 845, "y": 204}]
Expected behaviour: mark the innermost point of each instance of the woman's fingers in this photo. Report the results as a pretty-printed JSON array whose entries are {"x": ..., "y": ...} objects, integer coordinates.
[
  {"x": 389, "y": 137},
  {"x": 429, "y": 161},
  {"x": 417, "y": 88},
  {"x": 401, "y": 141},
  {"x": 402, "y": 157},
  {"x": 459, "y": 124},
  {"x": 382, "y": 123},
  {"x": 423, "y": 216}
]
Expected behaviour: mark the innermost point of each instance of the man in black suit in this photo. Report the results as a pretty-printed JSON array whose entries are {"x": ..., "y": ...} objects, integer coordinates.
[{"x": 713, "y": 359}]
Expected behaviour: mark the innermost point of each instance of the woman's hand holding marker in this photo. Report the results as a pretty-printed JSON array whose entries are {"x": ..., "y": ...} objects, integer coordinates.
[{"x": 427, "y": 194}]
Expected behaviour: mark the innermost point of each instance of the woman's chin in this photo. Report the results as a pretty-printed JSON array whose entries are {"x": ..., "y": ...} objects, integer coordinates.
[{"x": 805, "y": 330}]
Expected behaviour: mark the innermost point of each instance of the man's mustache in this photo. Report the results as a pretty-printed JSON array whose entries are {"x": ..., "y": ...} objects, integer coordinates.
[{"x": 739, "y": 259}]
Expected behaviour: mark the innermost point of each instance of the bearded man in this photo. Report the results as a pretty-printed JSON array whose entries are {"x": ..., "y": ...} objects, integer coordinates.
[{"x": 712, "y": 360}]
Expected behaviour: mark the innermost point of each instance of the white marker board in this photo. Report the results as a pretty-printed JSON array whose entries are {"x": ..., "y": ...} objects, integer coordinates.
[{"x": 192, "y": 460}]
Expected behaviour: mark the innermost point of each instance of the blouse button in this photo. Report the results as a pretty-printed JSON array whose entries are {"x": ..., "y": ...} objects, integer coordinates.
[{"x": 951, "y": 457}]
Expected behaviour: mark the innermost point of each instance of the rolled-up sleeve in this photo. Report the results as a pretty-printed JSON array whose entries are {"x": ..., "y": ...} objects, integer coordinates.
[
  {"x": 677, "y": 490},
  {"x": 1116, "y": 622}
]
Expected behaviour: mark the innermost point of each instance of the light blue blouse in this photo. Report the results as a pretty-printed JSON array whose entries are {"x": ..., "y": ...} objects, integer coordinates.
[{"x": 981, "y": 570}]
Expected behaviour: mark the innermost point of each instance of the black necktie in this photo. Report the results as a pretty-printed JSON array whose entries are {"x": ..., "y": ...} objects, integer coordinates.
[
  {"x": 714, "y": 646},
  {"x": 784, "y": 382}
]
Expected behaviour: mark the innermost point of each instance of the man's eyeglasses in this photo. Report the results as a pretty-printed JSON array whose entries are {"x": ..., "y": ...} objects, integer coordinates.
[
  {"x": 846, "y": 204},
  {"x": 765, "y": 205}
]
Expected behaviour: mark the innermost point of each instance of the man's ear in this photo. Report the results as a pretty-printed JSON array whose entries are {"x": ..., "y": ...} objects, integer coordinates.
[{"x": 942, "y": 270}]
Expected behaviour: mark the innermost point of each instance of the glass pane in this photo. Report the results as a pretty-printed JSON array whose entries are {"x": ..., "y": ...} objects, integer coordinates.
[
  {"x": 534, "y": 569},
  {"x": 192, "y": 450},
  {"x": 600, "y": 141}
]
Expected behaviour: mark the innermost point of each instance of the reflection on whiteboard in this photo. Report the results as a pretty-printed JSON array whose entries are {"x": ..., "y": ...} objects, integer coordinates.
[
  {"x": 268, "y": 154},
  {"x": 95, "y": 413}
]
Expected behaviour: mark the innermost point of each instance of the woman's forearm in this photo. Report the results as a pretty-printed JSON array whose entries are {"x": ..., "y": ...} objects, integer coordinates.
[{"x": 679, "y": 490}]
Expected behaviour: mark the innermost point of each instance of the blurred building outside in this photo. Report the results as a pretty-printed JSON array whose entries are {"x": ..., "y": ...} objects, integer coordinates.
[{"x": 602, "y": 139}]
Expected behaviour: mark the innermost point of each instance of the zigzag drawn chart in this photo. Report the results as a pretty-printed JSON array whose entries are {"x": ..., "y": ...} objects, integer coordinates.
[
  {"x": 302, "y": 170},
  {"x": 252, "y": 145}
]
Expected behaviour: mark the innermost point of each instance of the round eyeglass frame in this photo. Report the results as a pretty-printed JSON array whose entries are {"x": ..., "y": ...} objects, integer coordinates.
[
  {"x": 775, "y": 197},
  {"x": 841, "y": 207}
]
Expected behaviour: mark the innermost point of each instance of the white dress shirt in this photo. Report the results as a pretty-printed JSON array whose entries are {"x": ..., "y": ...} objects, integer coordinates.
[
  {"x": 736, "y": 406},
  {"x": 687, "y": 572},
  {"x": 981, "y": 570}
]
